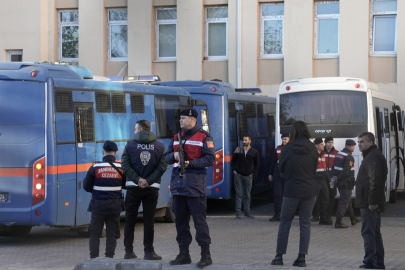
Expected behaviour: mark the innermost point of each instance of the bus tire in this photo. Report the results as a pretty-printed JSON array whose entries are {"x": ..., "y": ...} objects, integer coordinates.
[
  {"x": 393, "y": 196},
  {"x": 19, "y": 230},
  {"x": 169, "y": 217}
]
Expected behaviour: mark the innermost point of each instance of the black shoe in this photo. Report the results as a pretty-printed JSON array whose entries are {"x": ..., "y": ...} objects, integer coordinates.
[
  {"x": 364, "y": 266},
  {"x": 129, "y": 255},
  {"x": 379, "y": 266},
  {"x": 152, "y": 256},
  {"x": 248, "y": 215},
  {"x": 239, "y": 215},
  {"x": 314, "y": 219},
  {"x": 276, "y": 217},
  {"x": 205, "y": 257},
  {"x": 325, "y": 221},
  {"x": 340, "y": 225},
  {"x": 183, "y": 257},
  {"x": 278, "y": 260},
  {"x": 300, "y": 261},
  {"x": 355, "y": 220}
]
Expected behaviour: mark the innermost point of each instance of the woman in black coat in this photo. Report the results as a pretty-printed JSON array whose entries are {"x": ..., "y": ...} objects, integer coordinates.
[{"x": 298, "y": 162}]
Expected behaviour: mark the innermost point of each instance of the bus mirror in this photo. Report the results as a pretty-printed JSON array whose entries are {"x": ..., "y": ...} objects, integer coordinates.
[
  {"x": 204, "y": 119},
  {"x": 400, "y": 123}
]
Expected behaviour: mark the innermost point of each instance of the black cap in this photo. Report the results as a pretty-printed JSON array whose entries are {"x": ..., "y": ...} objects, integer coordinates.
[
  {"x": 328, "y": 139},
  {"x": 110, "y": 146},
  {"x": 350, "y": 142},
  {"x": 285, "y": 135},
  {"x": 318, "y": 141},
  {"x": 189, "y": 112}
]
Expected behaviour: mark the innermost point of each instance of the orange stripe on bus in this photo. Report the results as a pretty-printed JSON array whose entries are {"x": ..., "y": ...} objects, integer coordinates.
[
  {"x": 227, "y": 158},
  {"x": 71, "y": 168},
  {"x": 15, "y": 172}
]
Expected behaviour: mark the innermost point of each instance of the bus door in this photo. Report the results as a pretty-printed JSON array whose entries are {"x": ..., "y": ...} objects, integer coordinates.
[
  {"x": 383, "y": 141},
  {"x": 85, "y": 156}
]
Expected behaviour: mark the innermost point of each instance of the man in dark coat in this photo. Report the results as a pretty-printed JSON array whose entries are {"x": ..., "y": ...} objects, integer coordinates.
[
  {"x": 143, "y": 162},
  {"x": 245, "y": 163},
  {"x": 370, "y": 198},
  {"x": 104, "y": 181},
  {"x": 189, "y": 190}
]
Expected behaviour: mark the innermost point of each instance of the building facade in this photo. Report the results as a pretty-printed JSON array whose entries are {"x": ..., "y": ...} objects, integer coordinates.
[{"x": 249, "y": 43}]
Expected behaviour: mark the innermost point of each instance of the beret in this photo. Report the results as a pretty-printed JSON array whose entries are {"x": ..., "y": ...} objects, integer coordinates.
[
  {"x": 318, "y": 141},
  {"x": 189, "y": 112},
  {"x": 110, "y": 146}
]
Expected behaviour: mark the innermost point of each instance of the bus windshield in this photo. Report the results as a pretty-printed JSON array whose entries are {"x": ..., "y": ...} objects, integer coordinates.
[{"x": 324, "y": 107}]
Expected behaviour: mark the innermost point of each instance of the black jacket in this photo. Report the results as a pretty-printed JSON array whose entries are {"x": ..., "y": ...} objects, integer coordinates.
[
  {"x": 370, "y": 185},
  {"x": 343, "y": 168},
  {"x": 245, "y": 164},
  {"x": 298, "y": 161}
]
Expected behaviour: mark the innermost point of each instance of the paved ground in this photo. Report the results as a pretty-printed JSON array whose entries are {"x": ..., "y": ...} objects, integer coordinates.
[{"x": 237, "y": 243}]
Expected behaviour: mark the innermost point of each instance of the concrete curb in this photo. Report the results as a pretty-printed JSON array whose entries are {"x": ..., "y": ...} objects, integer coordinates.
[{"x": 121, "y": 264}]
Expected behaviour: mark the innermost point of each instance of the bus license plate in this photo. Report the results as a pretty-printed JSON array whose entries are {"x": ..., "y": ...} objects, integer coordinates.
[{"x": 3, "y": 196}]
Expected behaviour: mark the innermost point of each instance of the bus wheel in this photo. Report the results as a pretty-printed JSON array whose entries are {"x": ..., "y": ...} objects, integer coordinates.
[
  {"x": 169, "y": 216},
  {"x": 393, "y": 196},
  {"x": 19, "y": 230}
]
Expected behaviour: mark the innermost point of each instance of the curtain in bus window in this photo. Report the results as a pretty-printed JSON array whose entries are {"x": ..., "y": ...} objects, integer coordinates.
[
  {"x": 167, "y": 114},
  {"x": 324, "y": 108}
]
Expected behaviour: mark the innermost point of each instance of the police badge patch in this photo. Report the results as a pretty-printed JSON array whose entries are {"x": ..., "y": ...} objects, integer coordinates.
[{"x": 145, "y": 157}]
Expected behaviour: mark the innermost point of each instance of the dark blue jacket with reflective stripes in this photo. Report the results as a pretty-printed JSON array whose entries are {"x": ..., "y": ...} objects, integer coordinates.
[{"x": 343, "y": 168}]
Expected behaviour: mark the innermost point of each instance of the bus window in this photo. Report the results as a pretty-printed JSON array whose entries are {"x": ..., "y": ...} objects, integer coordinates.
[
  {"x": 260, "y": 110},
  {"x": 84, "y": 123},
  {"x": 137, "y": 103},
  {"x": 271, "y": 125},
  {"x": 205, "y": 120},
  {"x": 378, "y": 127},
  {"x": 63, "y": 101},
  {"x": 387, "y": 123},
  {"x": 167, "y": 116},
  {"x": 103, "y": 102},
  {"x": 250, "y": 109},
  {"x": 118, "y": 103}
]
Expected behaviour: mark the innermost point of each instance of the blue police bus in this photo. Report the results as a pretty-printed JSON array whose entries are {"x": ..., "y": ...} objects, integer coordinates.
[
  {"x": 54, "y": 120},
  {"x": 229, "y": 114}
]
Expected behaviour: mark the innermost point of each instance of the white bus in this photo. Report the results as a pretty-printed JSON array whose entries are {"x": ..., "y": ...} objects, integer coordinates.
[{"x": 342, "y": 108}]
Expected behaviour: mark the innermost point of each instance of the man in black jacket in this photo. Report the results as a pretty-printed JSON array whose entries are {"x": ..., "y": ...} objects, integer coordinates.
[
  {"x": 143, "y": 162},
  {"x": 370, "y": 198},
  {"x": 245, "y": 163}
]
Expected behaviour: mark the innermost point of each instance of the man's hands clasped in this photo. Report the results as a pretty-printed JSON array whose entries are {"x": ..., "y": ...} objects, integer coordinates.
[{"x": 142, "y": 183}]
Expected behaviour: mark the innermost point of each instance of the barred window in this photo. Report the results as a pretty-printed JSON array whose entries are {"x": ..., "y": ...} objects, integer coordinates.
[
  {"x": 63, "y": 101},
  {"x": 250, "y": 109},
  {"x": 243, "y": 128},
  {"x": 137, "y": 104},
  {"x": 260, "y": 110},
  {"x": 84, "y": 124},
  {"x": 118, "y": 103},
  {"x": 103, "y": 102},
  {"x": 231, "y": 109}
]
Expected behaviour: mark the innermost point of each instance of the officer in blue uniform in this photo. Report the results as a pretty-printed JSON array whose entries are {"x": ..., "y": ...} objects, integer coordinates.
[
  {"x": 143, "y": 162},
  {"x": 190, "y": 190},
  {"x": 343, "y": 168},
  {"x": 105, "y": 181}
]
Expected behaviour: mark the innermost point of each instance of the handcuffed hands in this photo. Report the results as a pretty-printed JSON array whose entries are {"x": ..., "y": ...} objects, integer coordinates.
[
  {"x": 142, "y": 183},
  {"x": 372, "y": 207}
]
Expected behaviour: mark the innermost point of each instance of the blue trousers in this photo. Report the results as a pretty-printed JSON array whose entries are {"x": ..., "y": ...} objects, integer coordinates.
[
  {"x": 371, "y": 233},
  {"x": 243, "y": 187},
  {"x": 183, "y": 207}
]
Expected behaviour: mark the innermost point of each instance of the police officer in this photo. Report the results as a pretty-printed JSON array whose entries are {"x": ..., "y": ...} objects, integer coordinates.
[
  {"x": 105, "y": 181},
  {"x": 143, "y": 162},
  {"x": 190, "y": 190},
  {"x": 330, "y": 153},
  {"x": 277, "y": 178},
  {"x": 322, "y": 177},
  {"x": 343, "y": 168}
]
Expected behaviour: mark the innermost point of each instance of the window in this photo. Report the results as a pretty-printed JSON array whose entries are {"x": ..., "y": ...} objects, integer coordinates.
[
  {"x": 271, "y": 30},
  {"x": 117, "y": 34},
  {"x": 327, "y": 28},
  {"x": 167, "y": 116},
  {"x": 166, "y": 21},
  {"x": 118, "y": 103},
  {"x": 137, "y": 104},
  {"x": 68, "y": 35},
  {"x": 384, "y": 26},
  {"x": 84, "y": 119},
  {"x": 63, "y": 101},
  {"x": 216, "y": 32},
  {"x": 15, "y": 56},
  {"x": 103, "y": 102}
]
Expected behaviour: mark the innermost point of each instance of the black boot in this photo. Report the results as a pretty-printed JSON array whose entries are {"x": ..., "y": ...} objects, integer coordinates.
[
  {"x": 355, "y": 220},
  {"x": 315, "y": 219},
  {"x": 300, "y": 261},
  {"x": 278, "y": 260},
  {"x": 340, "y": 225},
  {"x": 329, "y": 218},
  {"x": 276, "y": 217},
  {"x": 183, "y": 257},
  {"x": 205, "y": 257},
  {"x": 324, "y": 221}
]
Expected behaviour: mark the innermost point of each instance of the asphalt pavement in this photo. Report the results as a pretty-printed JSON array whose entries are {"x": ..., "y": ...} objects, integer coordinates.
[{"x": 236, "y": 244}]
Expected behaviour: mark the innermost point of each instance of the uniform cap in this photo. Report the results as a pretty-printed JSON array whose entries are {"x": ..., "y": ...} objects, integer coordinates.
[
  {"x": 110, "y": 146},
  {"x": 328, "y": 139},
  {"x": 318, "y": 141},
  {"x": 285, "y": 135},
  {"x": 189, "y": 112},
  {"x": 350, "y": 142}
]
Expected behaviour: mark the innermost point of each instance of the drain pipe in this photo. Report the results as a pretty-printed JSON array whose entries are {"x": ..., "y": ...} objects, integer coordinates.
[{"x": 238, "y": 44}]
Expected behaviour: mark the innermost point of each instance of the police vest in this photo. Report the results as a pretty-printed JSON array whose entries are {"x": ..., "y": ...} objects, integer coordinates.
[
  {"x": 278, "y": 150},
  {"x": 321, "y": 168},
  {"x": 107, "y": 181},
  {"x": 145, "y": 159},
  {"x": 340, "y": 160},
  {"x": 330, "y": 158},
  {"x": 192, "y": 147}
]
